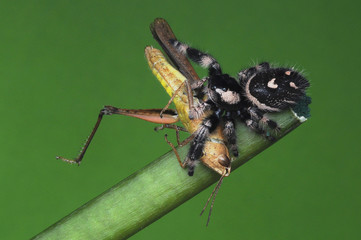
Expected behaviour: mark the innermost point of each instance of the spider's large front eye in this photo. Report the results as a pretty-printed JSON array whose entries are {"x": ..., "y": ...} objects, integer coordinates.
[
  {"x": 224, "y": 89},
  {"x": 213, "y": 88}
]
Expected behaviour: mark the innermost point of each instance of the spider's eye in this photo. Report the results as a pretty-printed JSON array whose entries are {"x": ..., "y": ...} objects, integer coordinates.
[
  {"x": 213, "y": 88},
  {"x": 224, "y": 89}
]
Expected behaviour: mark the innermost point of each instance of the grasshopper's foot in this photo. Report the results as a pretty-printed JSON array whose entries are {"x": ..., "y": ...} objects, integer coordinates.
[{"x": 75, "y": 161}]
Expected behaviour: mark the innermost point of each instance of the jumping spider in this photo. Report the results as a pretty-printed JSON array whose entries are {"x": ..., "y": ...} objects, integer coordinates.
[{"x": 259, "y": 90}]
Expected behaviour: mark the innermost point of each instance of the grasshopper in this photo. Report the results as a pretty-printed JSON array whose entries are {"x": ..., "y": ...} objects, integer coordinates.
[{"x": 215, "y": 153}]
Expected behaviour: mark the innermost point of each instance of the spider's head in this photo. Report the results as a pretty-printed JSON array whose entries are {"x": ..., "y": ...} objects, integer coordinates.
[
  {"x": 276, "y": 89},
  {"x": 224, "y": 91}
]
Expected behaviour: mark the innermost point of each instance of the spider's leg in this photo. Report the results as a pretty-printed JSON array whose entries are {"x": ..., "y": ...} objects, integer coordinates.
[
  {"x": 203, "y": 59},
  {"x": 229, "y": 132},
  {"x": 257, "y": 121},
  {"x": 270, "y": 123},
  {"x": 253, "y": 125},
  {"x": 259, "y": 116},
  {"x": 200, "y": 136}
]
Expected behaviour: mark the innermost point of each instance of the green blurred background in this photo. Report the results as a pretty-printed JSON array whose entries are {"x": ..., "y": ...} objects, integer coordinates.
[{"x": 61, "y": 61}]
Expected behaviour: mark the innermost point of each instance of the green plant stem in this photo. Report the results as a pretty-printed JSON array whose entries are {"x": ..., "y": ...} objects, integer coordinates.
[{"x": 152, "y": 192}]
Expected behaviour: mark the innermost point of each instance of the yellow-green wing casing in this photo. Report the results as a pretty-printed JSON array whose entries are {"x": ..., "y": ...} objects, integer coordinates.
[{"x": 171, "y": 80}]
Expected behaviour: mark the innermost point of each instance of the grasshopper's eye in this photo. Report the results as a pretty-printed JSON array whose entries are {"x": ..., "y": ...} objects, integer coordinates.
[{"x": 224, "y": 160}]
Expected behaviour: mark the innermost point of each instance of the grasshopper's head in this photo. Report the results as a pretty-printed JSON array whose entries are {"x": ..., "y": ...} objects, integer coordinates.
[{"x": 216, "y": 157}]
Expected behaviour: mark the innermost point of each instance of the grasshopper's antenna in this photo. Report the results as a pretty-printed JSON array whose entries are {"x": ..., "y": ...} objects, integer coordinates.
[
  {"x": 78, "y": 159},
  {"x": 213, "y": 194}
]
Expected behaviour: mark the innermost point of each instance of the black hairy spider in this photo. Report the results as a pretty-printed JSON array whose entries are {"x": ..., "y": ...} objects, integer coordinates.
[{"x": 259, "y": 90}]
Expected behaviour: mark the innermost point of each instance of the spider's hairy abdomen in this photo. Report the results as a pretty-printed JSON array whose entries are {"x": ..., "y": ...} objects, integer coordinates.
[{"x": 275, "y": 89}]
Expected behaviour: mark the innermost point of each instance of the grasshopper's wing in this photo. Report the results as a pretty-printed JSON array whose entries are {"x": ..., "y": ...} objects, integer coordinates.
[{"x": 162, "y": 32}]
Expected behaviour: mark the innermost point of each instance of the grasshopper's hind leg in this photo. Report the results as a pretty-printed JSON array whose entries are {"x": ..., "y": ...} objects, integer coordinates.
[
  {"x": 78, "y": 159},
  {"x": 151, "y": 115}
]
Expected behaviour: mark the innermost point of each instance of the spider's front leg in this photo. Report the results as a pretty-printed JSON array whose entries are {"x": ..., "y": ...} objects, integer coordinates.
[
  {"x": 205, "y": 60},
  {"x": 201, "y": 58},
  {"x": 200, "y": 136}
]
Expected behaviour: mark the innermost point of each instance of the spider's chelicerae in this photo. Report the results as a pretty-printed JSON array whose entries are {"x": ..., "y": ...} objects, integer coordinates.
[{"x": 258, "y": 90}]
